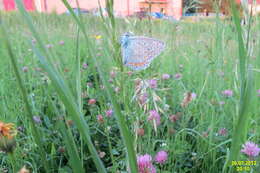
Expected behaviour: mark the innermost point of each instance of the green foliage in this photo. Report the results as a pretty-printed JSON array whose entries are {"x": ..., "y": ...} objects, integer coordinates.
[{"x": 210, "y": 55}]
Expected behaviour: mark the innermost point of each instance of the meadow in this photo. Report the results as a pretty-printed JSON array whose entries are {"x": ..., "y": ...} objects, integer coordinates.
[{"x": 68, "y": 105}]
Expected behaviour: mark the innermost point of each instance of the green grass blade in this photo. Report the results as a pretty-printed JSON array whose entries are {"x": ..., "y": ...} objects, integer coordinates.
[
  {"x": 78, "y": 74},
  {"x": 125, "y": 132},
  {"x": 36, "y": 133},
  {"x": 67, "y": 99},
  {"x": 241, "y": 128},
  {"x": 63, "y": 91},
  {"x": 75, "y": 161},
  {"x": 70, "y": 144}
]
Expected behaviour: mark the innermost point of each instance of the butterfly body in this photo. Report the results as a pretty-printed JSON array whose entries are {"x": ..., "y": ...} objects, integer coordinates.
[{"x": 138, "y": 51}]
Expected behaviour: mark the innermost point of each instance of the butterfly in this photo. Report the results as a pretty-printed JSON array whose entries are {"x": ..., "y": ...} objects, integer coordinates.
[{"x": 138, "y": 51}]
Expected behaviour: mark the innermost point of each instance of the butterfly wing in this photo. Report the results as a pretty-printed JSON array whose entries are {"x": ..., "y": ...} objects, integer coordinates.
[
  {"x": 138, "y": 52},
  {"x": 147, "y": 48}
]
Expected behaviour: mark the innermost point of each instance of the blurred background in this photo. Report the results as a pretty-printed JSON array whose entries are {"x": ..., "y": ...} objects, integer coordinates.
[{"x": 140, "y": 8}]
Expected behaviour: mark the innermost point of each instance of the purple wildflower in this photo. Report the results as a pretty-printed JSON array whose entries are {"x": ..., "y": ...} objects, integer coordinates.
[
  {"x": 37, "y": 119},
  {"x": 250, "y": 149},
  {"x": 258, "y": 93},
  {"x": 112, "y": 74},
  {"x": 222, "y": 132},
  {"x": 61, "y": 42},
  {"x": 85, "y": 65},
  {"x": 140, "y": 132},
  {"x": 137, "y": 82},
  {"x": 89, "y": 84},
  {"x": 227, "y": 93},
  {"x": 100, "y": 118},
  {"x": 33, "y": 41},
  {"x": 152, "y": 83},
  {"x": 161, "y": 157},
  {"x": 193, "y": 96},
  {"x": 48, "y": 46},
  {"x": 165, "y": 76},
  {"x": 221, "y": 103},
  {"x": 129, "y": 73},
  {"x": 173, "y": 118},
  {"x": 25, "y": 69},
  {"x": 145, "y": 165},
  {"x": 154, "y": 115},
  {"x": 109, "y": 113},
  {"x": 92, "y": 101},
  {"x": 178, "y": 76},
  {"x": 143, "y": 98}
]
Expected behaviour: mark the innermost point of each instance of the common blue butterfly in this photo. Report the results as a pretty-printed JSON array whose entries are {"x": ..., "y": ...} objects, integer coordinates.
[{"x": 138, "y": 51}]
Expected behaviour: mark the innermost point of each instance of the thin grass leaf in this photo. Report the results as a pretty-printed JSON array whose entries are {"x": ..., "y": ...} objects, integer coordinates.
[
  {"x": 69, "y": 143},
  {"x": 72, "y": 108},
  {"x": 125, "y": 132},
  {"x": 63, "y": 91},
  {"x": 78, "y": 74},
  {"x": 246, "y": 80},
  {"x": 36, "y": 133},
  {"x": 109, "y": 27},
  {"x": 75, "y": 161}
]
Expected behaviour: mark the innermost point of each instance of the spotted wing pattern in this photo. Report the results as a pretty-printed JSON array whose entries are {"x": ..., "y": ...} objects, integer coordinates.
[{"x": 138, "y": 52}]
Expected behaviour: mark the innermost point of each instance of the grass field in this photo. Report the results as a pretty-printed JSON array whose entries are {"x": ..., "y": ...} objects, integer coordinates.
[{"x": 73, "y": 87}]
